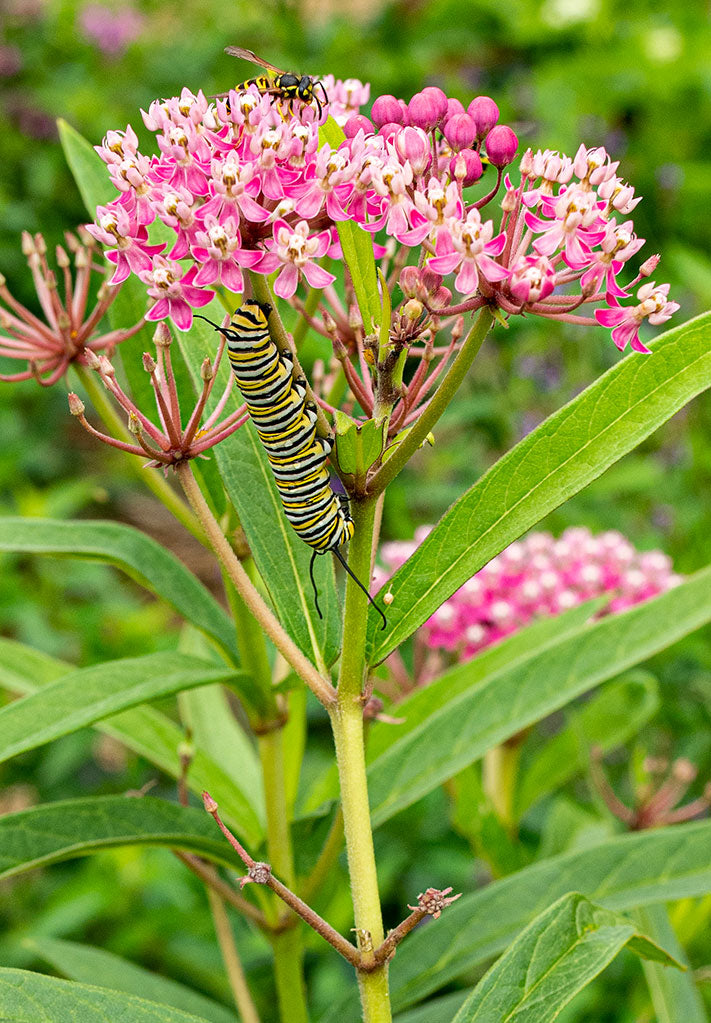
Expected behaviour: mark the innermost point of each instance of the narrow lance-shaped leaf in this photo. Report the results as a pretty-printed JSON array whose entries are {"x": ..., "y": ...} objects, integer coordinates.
[
  {"x": 555, "y": 461},
  {"x": 621, "y": 874},
  {"x": 60, "y": 831},
  {"x": 150, "y": 734},
  {"x": 675, "y": 995},
  {"x": 90, "y": 694},
  {"x": 560, "y": 952},
  {"x": 87, "y": 965},
  {"x": 27, "y": 997},
  {"x": 134, "y": 553},
  {"x": 479, "y": 718}
]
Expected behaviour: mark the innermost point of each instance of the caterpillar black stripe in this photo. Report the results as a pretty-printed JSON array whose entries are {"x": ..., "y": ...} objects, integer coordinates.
[{"x": 286, "y": 425}]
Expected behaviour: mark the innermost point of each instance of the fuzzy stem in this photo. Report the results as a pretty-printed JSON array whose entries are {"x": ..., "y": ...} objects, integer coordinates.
[
  {"x": 438, "y": 403},
  {"x": 347, "y": 725},
  {"x": 319, "y": 686},
  {"x": 238, "y": 982},
  {"x": 153, "y": 480}
]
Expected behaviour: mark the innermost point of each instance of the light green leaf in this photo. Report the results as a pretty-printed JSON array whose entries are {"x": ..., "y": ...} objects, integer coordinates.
[
  {"x": 357, "y": 246},
  {"x": 675, "y": 995},
  {"x": 87, "y": 965},
  {"x": 87, "y": 167},
  {"x": 552, "y": 463},
  {"x": 136, "y": 554},
  {"x": 90, "y": 694},
  {"x": 560, "y": 952},
  {"x": 150, "y": 734},
  {"x": 76, "y": 827},
  {"x": 358, "y": 445},
  {"x": 621, "y": 874},
  {"x": 609, "y": 719},
  {"x": 34, "y": 998},
  {"x": 462, "y": 729}
]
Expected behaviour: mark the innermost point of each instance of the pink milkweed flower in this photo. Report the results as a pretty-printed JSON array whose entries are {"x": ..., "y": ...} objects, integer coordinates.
[
  {"x": 593, "y": 166},
  {"x": 132, "y": 253},
  {"x": 174, "y": 292},
  {"x": 619, "y": 244},
  {"x": 469, "y": 247},
  {"x": 217, "y": 249},
  {"x": 532, "y": 279},
  {"x": 234, "y": 186},
  {"x": 654, "y": 305},
  {"x": 413, "y": 145},
  {"x": 619, "y": 196},
  {"x": 295, "y": 252},
  {"x": 391, "y": 180},
  {"x": 177, "y": 209},
  {"x": 576, "y": 228},
  {"x": 330, "y": 182},
  {"x": 185, "y": 153},
  {"x": 433, "y": 210}
]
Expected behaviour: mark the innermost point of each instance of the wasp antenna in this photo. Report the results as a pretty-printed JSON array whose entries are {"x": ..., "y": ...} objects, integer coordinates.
[
  {"x": 313, "y": 582},
  {"x": 356, "y": 580}
]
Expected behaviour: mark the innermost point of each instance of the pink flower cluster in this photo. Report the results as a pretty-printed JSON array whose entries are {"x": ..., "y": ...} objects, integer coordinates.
[
  {"x": 241, "y": 183},
  {"x": 535, "y": 577}
]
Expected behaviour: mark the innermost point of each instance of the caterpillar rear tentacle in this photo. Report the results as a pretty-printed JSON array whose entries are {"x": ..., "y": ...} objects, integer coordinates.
[{"x": 286, "y": 426}]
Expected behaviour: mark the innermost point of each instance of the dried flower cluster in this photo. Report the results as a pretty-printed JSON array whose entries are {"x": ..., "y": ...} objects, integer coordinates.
[{"x": 534, "y": 577}]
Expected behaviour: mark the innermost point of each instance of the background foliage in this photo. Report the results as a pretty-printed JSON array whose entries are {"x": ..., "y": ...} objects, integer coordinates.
[{"x": 631, "y": 76}]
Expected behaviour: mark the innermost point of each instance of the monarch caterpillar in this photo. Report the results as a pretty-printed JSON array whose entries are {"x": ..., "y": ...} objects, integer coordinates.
[{"x": 286, "y": 426}]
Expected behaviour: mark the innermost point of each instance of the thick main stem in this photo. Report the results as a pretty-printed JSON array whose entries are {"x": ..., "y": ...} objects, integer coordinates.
[
  {"x": 288, "y": 945},
  {"x": 347, "y": 725},
  {"x": 437, "y": 404}
]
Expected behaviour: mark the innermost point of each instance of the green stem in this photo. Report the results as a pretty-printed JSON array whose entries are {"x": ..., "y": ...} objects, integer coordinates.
[
  {"x": 348, "y": 736},
  {"x": 288, "y": 945},
  {"x": 439, "y": 402},
  {"x": 238, "y": 982},
  {"x": 499, "y": 780},
  {"x": 153, "y": 479},
  {"x": 252, "y": 649}
]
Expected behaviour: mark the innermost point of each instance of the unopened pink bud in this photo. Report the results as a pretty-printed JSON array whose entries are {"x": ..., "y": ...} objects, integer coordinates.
[
  {"x": 430, "y": 280},
  {"x": 501, "y": 145},
  {"x": 426, "y": 111},
  {"x": 413, "y": 145},
  {"x": 356, "y": 123},
  {"x": 485, "y": 114},
  {"x": 162, "y": 336},
  {"x": 209, "y": 802},
  {"x": 436, "y": 96},
  {"x": 454, "y": 106},
  {"x": 466, "y": 167},
  {"x": 409, "y": 281},
  {"x": 649, "y": 266},
  {"x": 441, "y": 298},
  {"x": 76, "y": 405},
  {"x": 149, "y": 363},
  {"x": 389, "y": 130},
  {"x": 527, "y": 163},
  {"x": 206, "y": 371},
  {"x": 386, "y": 110},
  {"x": 460, "y": 131},
  {"x": 404, "y": 112}
]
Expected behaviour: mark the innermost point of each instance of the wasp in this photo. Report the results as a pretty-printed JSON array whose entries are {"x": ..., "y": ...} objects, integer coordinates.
[{"x": 283, "y": 85}]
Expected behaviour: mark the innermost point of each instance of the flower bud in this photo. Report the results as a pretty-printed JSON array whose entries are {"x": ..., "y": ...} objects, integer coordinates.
[
  {"x": 427, "y": 110},
  {"x": 62, "y": 257},
  {"x": 485, "y": 114},
  {"x": 76, "y": 405},
  {"x": 460, "y": 131},
  {"x": 389, "y": 130},
  {"x": 649, "y": 266},
  {"x": 209, "y": 803},
  {"x": 206, "y": 371},
  {"x": 356, "y": 123},
  {"x": 436, "y": 96},
  {"x": 409, "y": 281},
  {"x": 412, "y": 310},
  {"x": 430, "y": 280},
  {"x": 440, "y": 298},
  {"x": 386, "y": 110},
  {"x": 413, "y": 145},
  {"x": 454, "y": 106},
  {"x": 527, "y": 163},
  {"x": 404, "y": 112},
  {"x": 149, "y": 363},
  {"x": 91, "y": 359},
  {"x": 162, "y": 336},
  {"x": 466, "y": 167},
  {"x": 501, "y": 145}
]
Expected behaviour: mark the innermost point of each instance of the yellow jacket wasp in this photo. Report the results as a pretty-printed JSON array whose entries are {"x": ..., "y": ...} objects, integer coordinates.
[{"x": 283, "y": 85}]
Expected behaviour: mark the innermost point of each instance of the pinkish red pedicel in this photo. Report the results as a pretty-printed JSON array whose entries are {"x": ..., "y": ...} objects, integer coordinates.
[{"x": 242, "y": 185}]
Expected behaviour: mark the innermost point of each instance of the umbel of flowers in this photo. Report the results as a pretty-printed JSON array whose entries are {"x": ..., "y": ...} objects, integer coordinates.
[
  {"x": 241, "y": 185},
  {"x": 535, "y": 577}
]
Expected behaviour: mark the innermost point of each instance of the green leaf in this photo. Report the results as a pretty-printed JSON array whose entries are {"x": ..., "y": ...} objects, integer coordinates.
[
  {"x": 675, "y": 995},
  {"x": 33, "y": 998},
  {"x": 508, "y": 700},
  {"x": 358, "y": 445},
  {"x": 608, "y": 720},
  {"x": 281, "y": 557},
  {"x": 136, "y": 554},
  {"x": 357, "y": 246},
  {"x": 89, "y": 170},
  {"x": 150, "y": 734},
  {"x": 87, "y": 965},
  {"x": 560, "y": 952},
  {"x": 621, "y": 873},
  {"x": 552, "y": 463},
  {"x": 90, "y": 694},
  {"x": 439, "y": 1010},
  {"x": 76, "y": 827}
]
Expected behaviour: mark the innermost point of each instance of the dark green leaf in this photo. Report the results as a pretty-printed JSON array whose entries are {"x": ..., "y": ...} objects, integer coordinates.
[{"x": 552, "y": 463}]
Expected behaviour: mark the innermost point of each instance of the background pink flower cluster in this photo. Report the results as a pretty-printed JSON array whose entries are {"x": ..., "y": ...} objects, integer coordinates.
[
  {"x": 241, "y": 183},
  {"x": 534, "y": 577}
]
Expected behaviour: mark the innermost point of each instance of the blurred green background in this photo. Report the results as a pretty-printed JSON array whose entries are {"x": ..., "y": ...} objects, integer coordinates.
[{"x": 632, "y": 76}]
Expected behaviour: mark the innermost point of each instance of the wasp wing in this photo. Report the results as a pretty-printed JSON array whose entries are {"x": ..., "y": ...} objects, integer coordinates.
[{"x": 239, "y": 51}]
